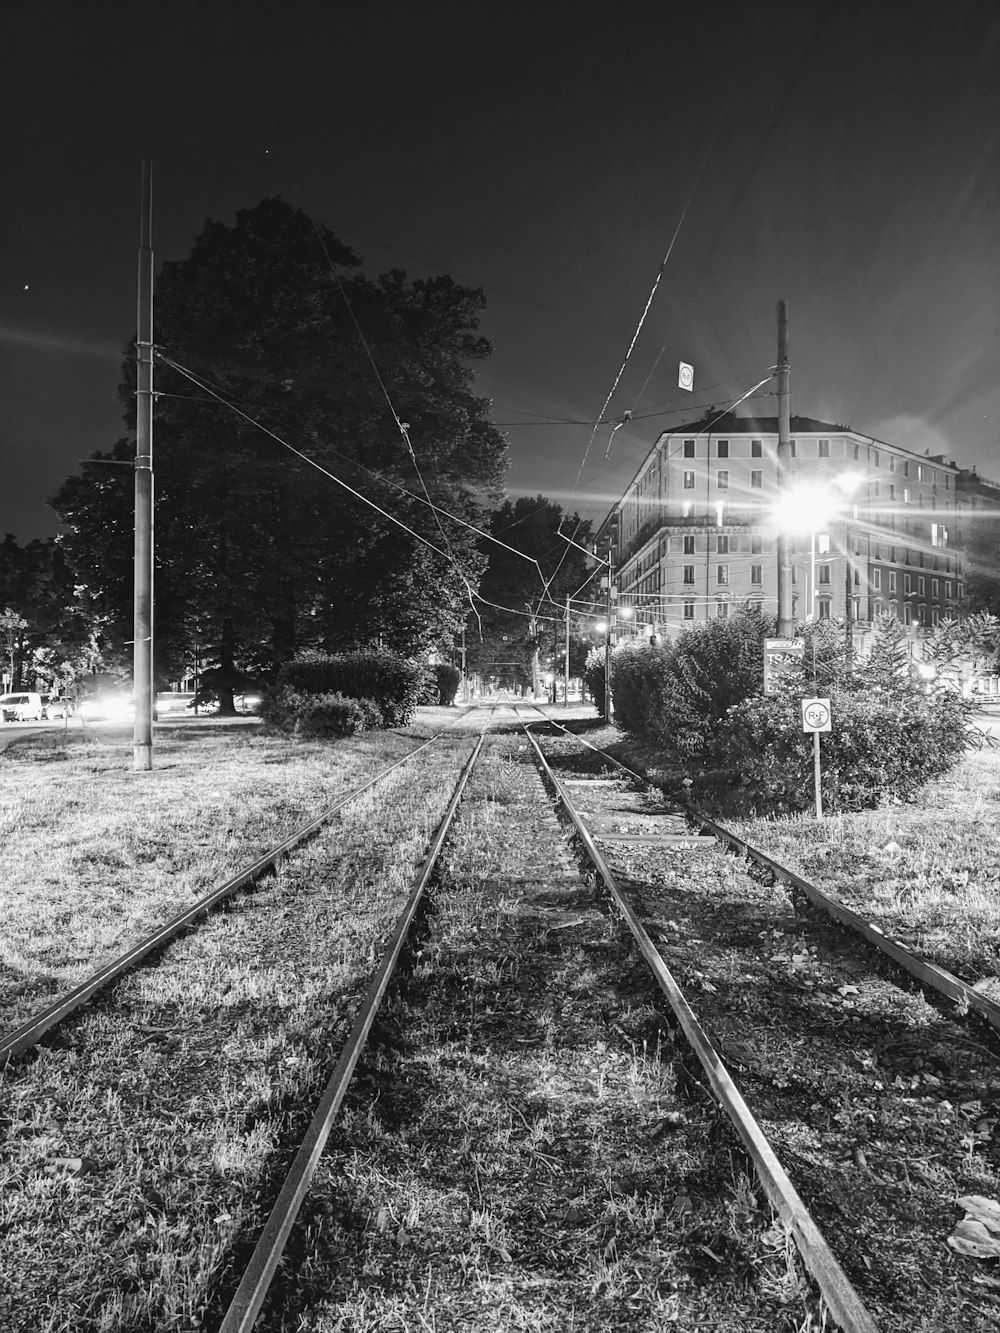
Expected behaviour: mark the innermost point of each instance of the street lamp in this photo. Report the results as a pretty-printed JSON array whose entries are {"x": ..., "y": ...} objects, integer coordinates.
[{"x": 807, "y": 507}]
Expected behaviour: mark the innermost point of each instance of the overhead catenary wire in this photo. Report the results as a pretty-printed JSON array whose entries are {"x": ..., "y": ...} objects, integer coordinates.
[{"x": 205, "y": 387}]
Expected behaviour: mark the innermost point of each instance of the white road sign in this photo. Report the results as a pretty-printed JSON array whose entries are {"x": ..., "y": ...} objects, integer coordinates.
[
  {"x": 815, "y": 714},
  {"x": 685, "y": 375}
]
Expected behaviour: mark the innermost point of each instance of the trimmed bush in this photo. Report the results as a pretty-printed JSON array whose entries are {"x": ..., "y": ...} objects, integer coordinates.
[
  {"x": 882, "y": 745},
  {"x": 441, "y": 684},
  {"x": 315, "y": 716},
  {"x": 394, "y": 683}
]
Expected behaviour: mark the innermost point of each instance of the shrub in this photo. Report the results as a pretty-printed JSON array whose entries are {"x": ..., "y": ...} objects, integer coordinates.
[
  {"x": 443, "y": 681},
  {"x": 675, "y": 695},
  {"x": 882, "y": 744},
  {"x": 593, "y": 678},
  {"x": 319, "y": 715},
  {"x": 394, "y": 683}
]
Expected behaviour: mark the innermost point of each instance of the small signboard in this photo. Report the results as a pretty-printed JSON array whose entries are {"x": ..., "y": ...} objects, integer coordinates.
[
  {"x": 685, "y": 376},
  {"x": 816, "y": 715},
  {"x": 780, "y": 657}
]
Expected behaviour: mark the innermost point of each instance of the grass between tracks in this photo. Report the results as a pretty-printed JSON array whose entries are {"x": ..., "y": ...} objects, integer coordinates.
[
  {"x": 142, "y": 1140},
  {"x": 926, "y": 870}
]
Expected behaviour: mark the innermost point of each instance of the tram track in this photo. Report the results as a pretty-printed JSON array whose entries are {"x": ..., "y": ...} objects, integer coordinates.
[{"x": 531, "y": 1004}]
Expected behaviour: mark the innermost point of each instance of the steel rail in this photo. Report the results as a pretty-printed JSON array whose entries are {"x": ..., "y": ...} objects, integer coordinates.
[
  {"x": 252, "y": 1290},
  {"x": 931, "y": 974},
  {"x": 844, "y": 1303},
  {"x": 30, "y": 1033},
  {"x": 579, "y": 739}
]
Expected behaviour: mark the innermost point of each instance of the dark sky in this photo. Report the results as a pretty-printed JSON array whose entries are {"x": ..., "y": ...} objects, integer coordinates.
[{"x": 844, "y": 156}]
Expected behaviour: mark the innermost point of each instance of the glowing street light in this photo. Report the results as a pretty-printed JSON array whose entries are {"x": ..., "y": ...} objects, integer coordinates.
[{"x": 808, "y": 507}]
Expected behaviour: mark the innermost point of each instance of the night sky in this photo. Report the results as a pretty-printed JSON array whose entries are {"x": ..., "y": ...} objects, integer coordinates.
[{"x": 844, "y": 156}]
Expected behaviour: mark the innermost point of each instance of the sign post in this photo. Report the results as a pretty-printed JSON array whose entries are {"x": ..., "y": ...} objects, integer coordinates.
[{"x": 816, "y": 718}]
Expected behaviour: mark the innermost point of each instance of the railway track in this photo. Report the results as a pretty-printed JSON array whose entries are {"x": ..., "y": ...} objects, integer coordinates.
[{"x": 522, "y": 1011}]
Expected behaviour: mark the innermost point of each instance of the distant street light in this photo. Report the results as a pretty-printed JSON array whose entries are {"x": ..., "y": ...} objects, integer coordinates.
[{"x": 808, "y": 507}]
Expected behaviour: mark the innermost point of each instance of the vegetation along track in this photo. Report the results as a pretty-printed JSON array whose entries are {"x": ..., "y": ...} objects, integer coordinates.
[
  {"x": 528, "y": 1141},
  {"x": 143, "y": 1134},
  {"x": 878, "y": 1097},
  {"x": 518, "y": 1148}
]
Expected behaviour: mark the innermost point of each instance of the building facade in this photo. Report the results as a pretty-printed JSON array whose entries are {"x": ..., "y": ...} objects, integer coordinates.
[{"x": 695, "y": 534}]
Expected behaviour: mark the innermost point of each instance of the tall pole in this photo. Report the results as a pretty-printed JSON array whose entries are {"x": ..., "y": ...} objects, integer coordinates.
[
  {"x": 566, "y": 662},
  {"x": 142, "y": 648},
  {"x": 607, "y": 648},
  {"x": 786, "y": 623}
]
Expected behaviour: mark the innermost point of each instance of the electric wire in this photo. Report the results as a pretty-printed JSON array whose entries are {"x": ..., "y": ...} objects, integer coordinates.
[{"x": 189, "y": 375}]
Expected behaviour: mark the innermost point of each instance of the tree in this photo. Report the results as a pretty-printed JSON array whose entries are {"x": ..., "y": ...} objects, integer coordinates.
[
  {"x": 520, "y": 619},
  {"x": 258, "y": 553}
]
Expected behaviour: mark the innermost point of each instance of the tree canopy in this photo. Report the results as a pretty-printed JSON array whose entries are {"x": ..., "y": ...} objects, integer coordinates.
[
  {"x": 521, "y": 617},
  {"x": 259, "y": 553}
]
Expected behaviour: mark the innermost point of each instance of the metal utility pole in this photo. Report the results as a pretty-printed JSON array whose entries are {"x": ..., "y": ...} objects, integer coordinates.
[
  {"x": 786, "y": 621},
  {"x": 607, "y": 648},
  {"x": 566, "y": 663},
  {"x": 142, "y": 648}
]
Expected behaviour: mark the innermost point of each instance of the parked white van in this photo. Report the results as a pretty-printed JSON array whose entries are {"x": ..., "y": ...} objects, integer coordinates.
[{"x": 21, "y": 707}]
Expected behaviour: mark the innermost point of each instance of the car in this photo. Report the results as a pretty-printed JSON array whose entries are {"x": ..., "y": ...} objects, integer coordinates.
[
  {"x": 25, "y": 707},
  {"x": 55, "y": 705},
  {"x": 106, "y": 705},
  {"x": 174, "y": 703}
]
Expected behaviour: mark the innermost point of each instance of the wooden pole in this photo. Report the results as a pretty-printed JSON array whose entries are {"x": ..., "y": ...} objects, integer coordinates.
[{"x": 142, "y": 648}]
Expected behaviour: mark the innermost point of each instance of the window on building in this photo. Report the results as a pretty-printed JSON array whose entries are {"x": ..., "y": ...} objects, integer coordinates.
[
  {"x": 906, "y": 467},
  {"x": 877, "y": 580},
  {"x": 855, "y": 608},
  {"x": 907, "y": 614},
  {"x": 723, "y": 448},
  {"x": 689, "y": 544},
  {"x": 824, "y": 449},
  {"x": 921, "y": 585},
  {"x": 689, "y": 610},
  {"x": 823, "y": 607},
  {"x": 722, "y": 610},
  {"x": 947, "y": 482},
  {"x": 920, "y": 472},
  {"x": 756, "y": 573},
  {"x": 722, "y": 479},
  {"x": 892, "y": 463},
  {"x": 857, "y": 451},
  {"x": 689, "y": 481},
  {"x": 686, "y": 509},
  {"x": 823, "y": 574},
  {"x": 689, "y": 573},
  {"x": 907, "y": 584},
  {"x": 791, "y": 448},
  {"x": 947, "y": 588},
  {"x": 756, "y": 448},
  {"x": 892, "y": 580},
  {"x": 722, "y": 574},
  {"x": 879, "y": 607},
  {"x": 722, "y": 544},
  {"x": 720, "y": 513},
  {"x": 857, "y": 578},
  {"x": 892, "y": 491},
  {"x": 756, "y": 545},
  {"x": 906, "y": 495},
  {"x": 795, "y": 573},
  {"x": 935, "y": 616},
  {"x": 876, "y": 489},
  {"x": 756, "y": 479},
  {"x": 689, "y": 448},
  {"x": 935, "y": 587},
  {"x": 875, "y": 461}
]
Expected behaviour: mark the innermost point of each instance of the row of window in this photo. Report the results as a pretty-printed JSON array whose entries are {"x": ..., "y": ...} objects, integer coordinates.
[
  {"x": 923, "y": 471},
  {"x": 906, "y": 614}
]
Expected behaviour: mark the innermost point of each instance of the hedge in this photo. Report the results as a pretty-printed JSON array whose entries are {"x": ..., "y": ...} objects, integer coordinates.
[{"x": 392, "y": 682}]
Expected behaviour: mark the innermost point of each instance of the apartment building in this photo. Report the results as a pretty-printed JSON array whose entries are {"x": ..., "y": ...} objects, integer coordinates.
[{"x": 695, "y": 534}]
